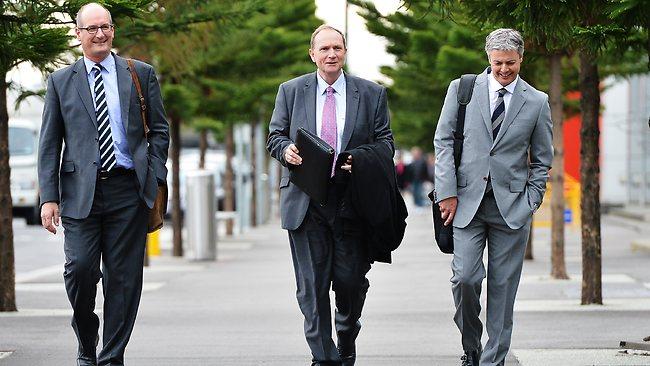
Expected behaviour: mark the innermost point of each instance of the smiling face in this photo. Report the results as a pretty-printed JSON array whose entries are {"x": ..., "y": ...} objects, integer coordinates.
[
  {"x": 328, "y": 53},
  {"x": 95, "y": 46},
  {"x": 505, "y": 65}
]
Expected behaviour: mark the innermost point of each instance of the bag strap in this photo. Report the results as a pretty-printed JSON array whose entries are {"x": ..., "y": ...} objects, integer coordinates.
[
  {"x": 465, "y": 89},
  {"x": 143, "y": 105}
]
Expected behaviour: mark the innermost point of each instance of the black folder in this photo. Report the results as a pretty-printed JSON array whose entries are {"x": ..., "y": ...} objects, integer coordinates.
[{"x": 313, "y": 175}]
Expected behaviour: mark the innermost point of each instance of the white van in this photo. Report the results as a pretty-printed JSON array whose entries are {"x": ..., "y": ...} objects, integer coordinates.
[{"x": 23, "y": 158}]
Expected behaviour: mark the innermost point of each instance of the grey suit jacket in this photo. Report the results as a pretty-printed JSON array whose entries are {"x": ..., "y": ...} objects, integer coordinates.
[
  {"x": 366, "y": 121},
  {"x": 517, "y": 161},
  {"x": 69, "y": 116}
]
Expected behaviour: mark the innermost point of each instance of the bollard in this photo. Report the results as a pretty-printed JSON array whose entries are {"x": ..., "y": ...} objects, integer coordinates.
[
  {"x": 153, "y": 243},
  {"x": 200, "y": 216}
]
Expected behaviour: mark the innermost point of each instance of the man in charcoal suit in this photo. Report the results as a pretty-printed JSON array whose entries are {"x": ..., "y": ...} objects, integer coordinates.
[
  {"x": 327, "y": 249},
  {"x": 105, "y": 184}
]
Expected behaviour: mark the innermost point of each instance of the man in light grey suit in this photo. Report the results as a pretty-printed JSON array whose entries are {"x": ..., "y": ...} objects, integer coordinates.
[
  {"x": 507, "y": 153},
  {"x": 105, "y": 184},
  {"x": 347, "y": 112}
]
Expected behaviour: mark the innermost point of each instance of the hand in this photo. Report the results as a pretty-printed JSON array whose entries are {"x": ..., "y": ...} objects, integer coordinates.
[
  {"x": 291, "y": 155},
  {"x": 50, "y": 216},
  {"x": 448, "y": 209},
  {"x": 348, "y": 164}
]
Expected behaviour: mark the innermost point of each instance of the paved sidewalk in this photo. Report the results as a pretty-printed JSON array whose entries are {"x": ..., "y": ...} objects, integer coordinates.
[{"x": 241, "y": 310}]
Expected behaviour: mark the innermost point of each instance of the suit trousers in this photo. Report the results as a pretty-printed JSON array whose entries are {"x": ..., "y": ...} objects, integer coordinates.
[
  {"x": 506, "y": 248},
  {"x": 114, "y": 232},
  {"x": 327, "y": 250}
]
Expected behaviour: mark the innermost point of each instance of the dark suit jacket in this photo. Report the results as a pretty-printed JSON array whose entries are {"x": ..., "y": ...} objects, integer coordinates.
[
  {"x": 69, "y": 116},
  {"x": 372, "y": 197},
  {"x": 366, "y": 121}
]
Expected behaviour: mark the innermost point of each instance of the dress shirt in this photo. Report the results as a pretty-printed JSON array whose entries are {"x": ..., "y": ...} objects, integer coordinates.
[
  {"x": 339, "y": 96},
  {"x": 123, "y": 156}
]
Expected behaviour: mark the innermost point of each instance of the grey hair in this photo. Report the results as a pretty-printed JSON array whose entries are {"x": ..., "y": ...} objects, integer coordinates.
[
  {"x": 504, "y": 39},
  {"x": 323, "y": 27},
  {"x": 81, "y": 10}
]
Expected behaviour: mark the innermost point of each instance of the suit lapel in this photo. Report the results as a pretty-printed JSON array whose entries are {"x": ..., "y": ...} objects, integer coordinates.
[
  {"x": 124, "y": 86},
  {"x": 516, "y": 102},
  {"x": 310, "y": 103},
  {"x": 83, "y": 88},
  {"x": 482, "y": 95},
  {"x": 351, "y": 109}
]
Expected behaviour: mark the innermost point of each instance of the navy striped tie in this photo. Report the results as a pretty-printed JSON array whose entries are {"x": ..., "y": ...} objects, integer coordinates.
[
  {"x": 499, "y": 113},
  {"x": 106, "y": 153}
]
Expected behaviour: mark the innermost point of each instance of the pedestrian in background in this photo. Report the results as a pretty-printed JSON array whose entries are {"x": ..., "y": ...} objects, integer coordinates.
[
  {"x": 328, "y": 241},
  {"x": 105, "y": 183},
  {"x": 501, "y": 180},
  {"x": 418, "y": 174}
]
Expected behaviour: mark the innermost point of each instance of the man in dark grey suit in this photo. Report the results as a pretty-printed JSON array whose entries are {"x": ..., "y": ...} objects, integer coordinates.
[
  {"x": 507, "y": 153},
  {"x": 105, "y": 184},
  {"x": 347, "y": 112}
]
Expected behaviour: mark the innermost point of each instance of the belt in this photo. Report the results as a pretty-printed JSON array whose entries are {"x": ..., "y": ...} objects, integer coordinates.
[{"x": 117, "y": 171}]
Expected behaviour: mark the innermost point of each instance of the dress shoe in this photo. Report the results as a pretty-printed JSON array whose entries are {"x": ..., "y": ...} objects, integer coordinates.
[
  {"x": 348, "y": 360},
  {"x": 471, "y": 358}
]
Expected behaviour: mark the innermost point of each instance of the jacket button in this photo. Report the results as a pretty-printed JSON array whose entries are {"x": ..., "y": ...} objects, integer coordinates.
[
  {"x": 485, "y": 179},
  {"x": 94, "y": 163},
  {"x": 96, "y": 139}
]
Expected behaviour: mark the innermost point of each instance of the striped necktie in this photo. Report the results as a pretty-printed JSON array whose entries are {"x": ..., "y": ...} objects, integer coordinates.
[
  {"x": 499, "y": 113},
  {"x": 106, "y": 153}
]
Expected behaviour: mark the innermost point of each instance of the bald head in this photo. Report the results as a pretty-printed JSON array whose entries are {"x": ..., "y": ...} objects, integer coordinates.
[{"x": 90, "y": 7}]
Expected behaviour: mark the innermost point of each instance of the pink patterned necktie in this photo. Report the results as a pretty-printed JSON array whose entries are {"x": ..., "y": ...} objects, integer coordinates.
[{"x": 328, "y": 126}]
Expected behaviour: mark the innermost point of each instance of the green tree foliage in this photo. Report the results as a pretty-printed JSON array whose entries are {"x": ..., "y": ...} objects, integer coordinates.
[{"x": 430, "y": 52}]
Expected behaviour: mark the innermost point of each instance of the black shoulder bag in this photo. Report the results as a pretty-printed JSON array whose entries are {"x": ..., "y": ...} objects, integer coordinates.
[{"x": 444, "y": 235}]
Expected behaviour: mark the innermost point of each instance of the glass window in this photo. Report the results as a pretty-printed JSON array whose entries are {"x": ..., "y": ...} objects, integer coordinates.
[{"x": 22, "y": 141}]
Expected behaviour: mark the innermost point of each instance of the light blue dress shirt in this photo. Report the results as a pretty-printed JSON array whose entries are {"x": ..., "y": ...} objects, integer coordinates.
[
  {"x": 339, "y": 96},
  {"x": 123, "y": 156}
]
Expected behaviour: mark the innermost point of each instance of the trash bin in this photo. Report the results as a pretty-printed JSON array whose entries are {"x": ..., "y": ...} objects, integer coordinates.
[{"x": 200, "y": 216}]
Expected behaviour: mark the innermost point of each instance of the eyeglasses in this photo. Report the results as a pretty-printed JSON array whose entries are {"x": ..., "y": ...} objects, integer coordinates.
[{"x": 92, "y": 29}]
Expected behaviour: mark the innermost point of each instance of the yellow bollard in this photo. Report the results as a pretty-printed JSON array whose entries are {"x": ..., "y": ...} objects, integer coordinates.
[{"x": 153, "y": 243}]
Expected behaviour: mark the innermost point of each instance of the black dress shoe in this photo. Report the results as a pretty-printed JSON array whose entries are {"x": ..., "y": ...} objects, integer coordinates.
[
  {"x": 348, "y": 360},
  {"x": 470, "y": 358}
]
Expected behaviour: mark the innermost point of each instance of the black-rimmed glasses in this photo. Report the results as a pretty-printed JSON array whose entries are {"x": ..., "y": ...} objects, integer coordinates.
[{"x": 92, "y": 29}]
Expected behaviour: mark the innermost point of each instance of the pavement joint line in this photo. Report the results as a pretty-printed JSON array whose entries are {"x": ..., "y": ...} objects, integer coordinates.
[
  {"x": 38, "y": 273},
  {"x": 33, "y": 313},
  {"x": 577, "y": 278},
  {"x": 60, "y": 287},
  {"x": 578, "y": 357},
  {"x": 566, "y": 305}
]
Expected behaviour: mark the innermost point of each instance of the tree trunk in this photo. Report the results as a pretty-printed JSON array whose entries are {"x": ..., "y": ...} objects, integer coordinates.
[
  {"x": 590, "y": 181},
  {"x": 229, "y": 199},
  {"x": 253, "y": 174},
  {"x": 203, "y": 146},
  {"x": 558, "y": 266},
  {"x": 177, "y": 219},
  {"x": 528, "y": 255},
  {"x": 7, "y": 269}
]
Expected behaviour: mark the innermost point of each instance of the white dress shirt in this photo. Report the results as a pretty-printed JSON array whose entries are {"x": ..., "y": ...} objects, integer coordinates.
[
  {"x": 339, "y": 95},
  {"x": 494, "y": 86}
]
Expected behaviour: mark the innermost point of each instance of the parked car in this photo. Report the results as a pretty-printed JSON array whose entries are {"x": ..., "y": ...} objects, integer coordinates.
[{"x": 23, "y": 158}]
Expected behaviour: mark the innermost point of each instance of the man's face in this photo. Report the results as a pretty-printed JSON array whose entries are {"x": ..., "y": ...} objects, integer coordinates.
[
  {"x": 328, "y": 52},
  {"x": 95, "y": 46},
  {"x": 505, "y": 65}
]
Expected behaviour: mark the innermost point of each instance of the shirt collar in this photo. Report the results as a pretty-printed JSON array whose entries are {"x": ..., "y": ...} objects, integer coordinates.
[
  {"x": 339, "y": 84},
  {"x": 495, "y": 85},
  {"x": 108, "y": 63}
]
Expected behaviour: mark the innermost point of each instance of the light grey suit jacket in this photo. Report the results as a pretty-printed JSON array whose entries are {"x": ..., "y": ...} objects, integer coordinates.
[
  {"x": 517, "y": 161},
  {"x": 366, "y": 121},
  {"x": 69, "y": 116}
]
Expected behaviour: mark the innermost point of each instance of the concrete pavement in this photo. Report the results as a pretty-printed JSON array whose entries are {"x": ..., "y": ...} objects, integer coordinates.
[{"x": 241, "y": 310}]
